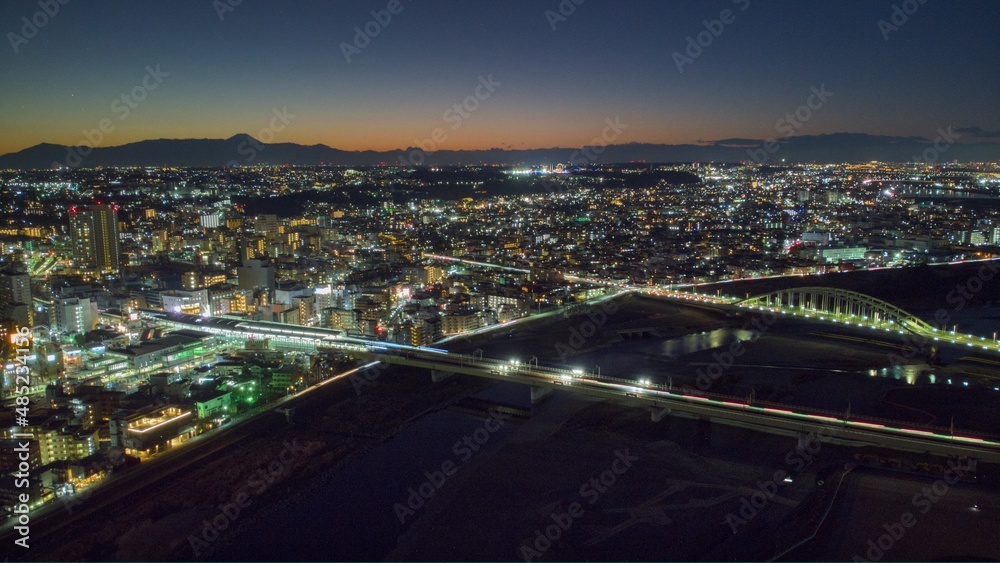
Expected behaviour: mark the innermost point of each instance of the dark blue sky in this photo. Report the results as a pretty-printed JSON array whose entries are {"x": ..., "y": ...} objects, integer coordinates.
[{"x": 556, "y": 87}]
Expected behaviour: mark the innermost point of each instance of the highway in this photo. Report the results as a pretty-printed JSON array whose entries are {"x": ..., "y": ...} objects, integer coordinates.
[
  {"x": 768, "y": 417},
  {"x": 774, "y": 418}
]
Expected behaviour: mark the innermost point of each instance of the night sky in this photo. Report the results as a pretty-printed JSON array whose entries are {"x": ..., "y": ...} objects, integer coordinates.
[{"x": 608, "y": 58}]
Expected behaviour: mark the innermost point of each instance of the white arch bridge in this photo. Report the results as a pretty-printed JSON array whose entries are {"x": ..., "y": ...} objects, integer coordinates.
[
  {"x": 663, "y": 399},
  {"x": 826, "y": 303}
]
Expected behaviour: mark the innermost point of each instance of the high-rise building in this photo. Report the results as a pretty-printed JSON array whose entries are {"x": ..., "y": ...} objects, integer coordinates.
[
  {"x": 95, "y": 236},
  {"x": 263, "y": 224},
  {"x": 254, "y": 274},
  {"x": 75, "y": 315},
  {"x": 211, "y": 221},
  {"x": 15, "y": 294},
  {"x": 324, "y": 297}
]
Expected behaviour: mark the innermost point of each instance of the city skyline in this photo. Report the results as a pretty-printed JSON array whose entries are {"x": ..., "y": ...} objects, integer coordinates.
[
  {"x": 522, "y": 280},
  {"x": 533, "y": 75},
  {"x": 307, "y": 316}
]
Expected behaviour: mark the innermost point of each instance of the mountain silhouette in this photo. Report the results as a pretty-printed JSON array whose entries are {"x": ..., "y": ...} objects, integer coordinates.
[{"x": 244, "y": 150}]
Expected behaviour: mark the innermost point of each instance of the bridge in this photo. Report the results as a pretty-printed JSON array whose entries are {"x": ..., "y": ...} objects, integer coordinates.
[
  {"x": 660, "y": 399},
  {"x": 841, "y": 304},
  {"x": 935, "y": 190},
  {"x": 822, "y": 304},
  {"x": 826, "y": 304}
]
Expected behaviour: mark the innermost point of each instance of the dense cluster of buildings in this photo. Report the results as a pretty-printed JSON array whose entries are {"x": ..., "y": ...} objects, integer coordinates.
[{"x": 391, "y": 254}]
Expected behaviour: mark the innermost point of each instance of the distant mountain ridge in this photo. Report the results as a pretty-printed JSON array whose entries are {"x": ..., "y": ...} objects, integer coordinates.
[{"x": 245, "y": 150}]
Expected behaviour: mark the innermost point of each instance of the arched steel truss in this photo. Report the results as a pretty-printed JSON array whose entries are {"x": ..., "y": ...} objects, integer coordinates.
[{"x": 841, "y": 304}]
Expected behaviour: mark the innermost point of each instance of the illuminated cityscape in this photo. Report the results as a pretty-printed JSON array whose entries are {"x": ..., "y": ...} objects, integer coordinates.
[{"x": 237, "y": 325}]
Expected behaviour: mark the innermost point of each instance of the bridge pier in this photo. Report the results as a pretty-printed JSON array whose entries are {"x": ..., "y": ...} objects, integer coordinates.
[
  {"x": 439, "y": 375},
  {"x": 658, "y": 414},
  {"x": 539, "y": 393}
]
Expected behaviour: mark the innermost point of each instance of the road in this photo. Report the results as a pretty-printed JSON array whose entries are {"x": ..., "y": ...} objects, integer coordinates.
[
  {"x": 769, "y": 417},
  {"x": 775, "y": 418}
]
